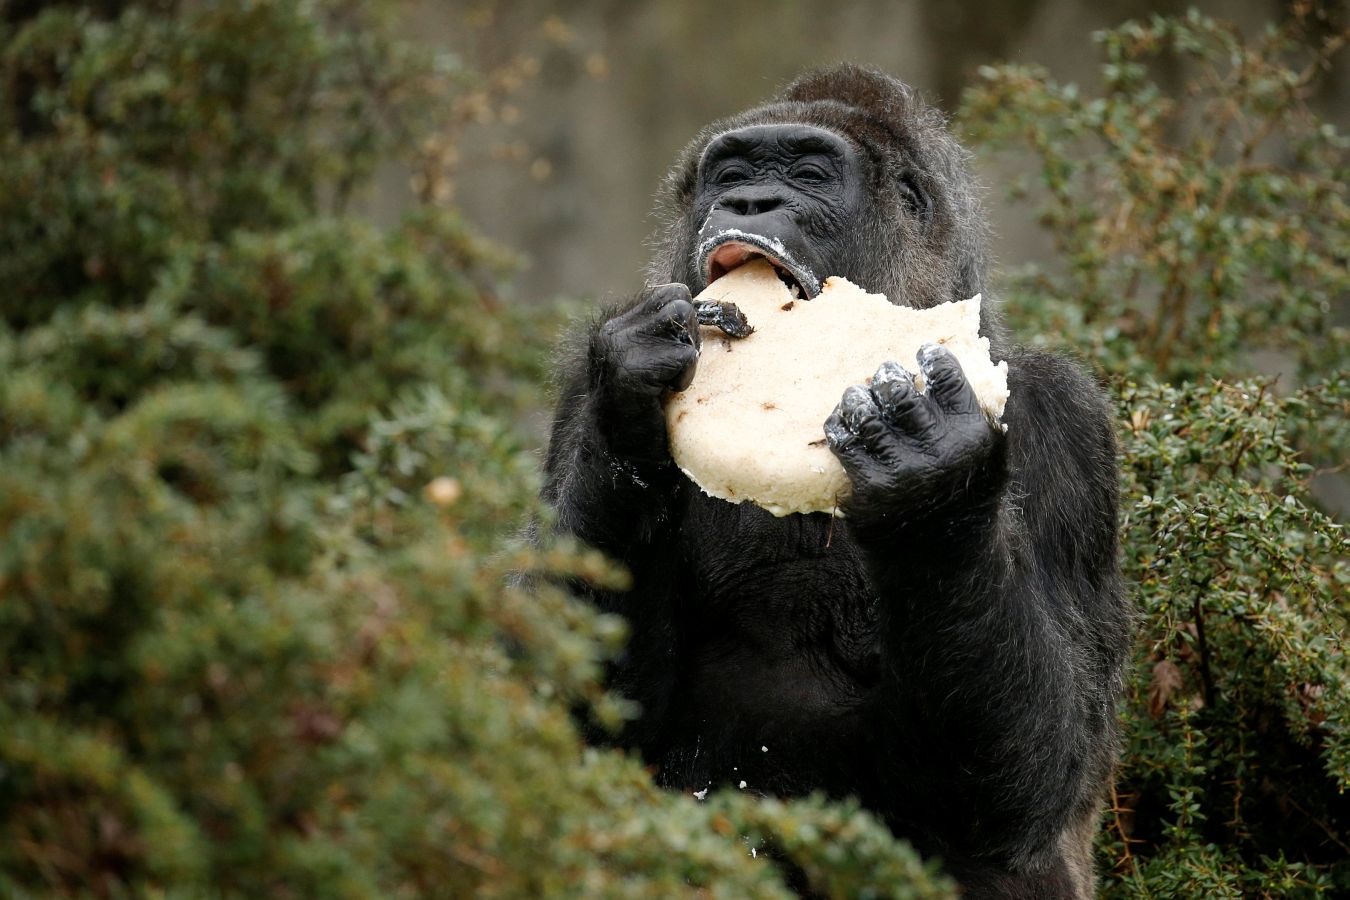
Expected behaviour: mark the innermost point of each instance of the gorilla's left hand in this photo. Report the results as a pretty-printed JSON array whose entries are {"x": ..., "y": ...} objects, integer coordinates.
[{"x": 917, "y": 458}]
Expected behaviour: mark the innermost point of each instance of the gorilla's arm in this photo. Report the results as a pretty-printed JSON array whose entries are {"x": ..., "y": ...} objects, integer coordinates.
[
  {"x": 609, "y": 476},
  {"x": 608, "y": 471},
  {"x": 1003, "y": 618}
]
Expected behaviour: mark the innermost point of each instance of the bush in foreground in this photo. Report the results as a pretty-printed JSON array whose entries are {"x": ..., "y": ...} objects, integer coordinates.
[
  {"x": 1195, "y": 226},
  {"x": 256, "y": 462}
]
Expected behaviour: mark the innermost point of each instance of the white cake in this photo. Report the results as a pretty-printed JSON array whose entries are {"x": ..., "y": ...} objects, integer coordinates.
[{"x": 750, "y": 427}]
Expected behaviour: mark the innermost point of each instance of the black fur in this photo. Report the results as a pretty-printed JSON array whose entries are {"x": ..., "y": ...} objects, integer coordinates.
[{"x": 951, "y": 651}]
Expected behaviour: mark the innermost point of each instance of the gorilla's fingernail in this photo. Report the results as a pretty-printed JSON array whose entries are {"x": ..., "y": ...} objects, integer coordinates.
[
  {"x": 855, "y": 402},
  {"x": 932, "y": 362},
  {"x": 894, "y": 394},
  {"x": 889, "y": 372},
  {"x": 836, "y": 433},
  {"x": 857, "y": 405},
  {"x": 931, "y": 352}
]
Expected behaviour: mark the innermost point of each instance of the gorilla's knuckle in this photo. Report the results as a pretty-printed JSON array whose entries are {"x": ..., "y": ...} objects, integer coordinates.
[
  {"x": 894, "y": 397},
  {"x": 663, "y": 295},
  {"x": 674, "y": 291},
  {"x": 858, "y": 406},
  {"x": 617, "y": 332},
  {"x": 682, "y": 309}
]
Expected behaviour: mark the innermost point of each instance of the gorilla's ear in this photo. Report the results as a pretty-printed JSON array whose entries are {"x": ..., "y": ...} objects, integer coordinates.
[{"x": 871, "y": 92}]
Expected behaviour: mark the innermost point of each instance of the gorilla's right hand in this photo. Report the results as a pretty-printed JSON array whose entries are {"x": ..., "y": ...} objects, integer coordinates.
[{"x": 635, "y": 358}]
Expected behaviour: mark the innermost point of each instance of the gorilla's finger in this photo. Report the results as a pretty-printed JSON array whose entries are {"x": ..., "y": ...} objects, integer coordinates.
[
  {"x": 900, "y": 401},
  {"x": 863, "y": 417},
  {"x": 685, "y": 377},
  {"x": 858, "y": 406},
  {"x": 946, "y": 382},
  {"x": 679, "y": 319},
  {"x": 837, "y": 434},
  {"x": 848, "y": 448},
  {"x": 891, "y": 371},
  {"x": 692, "y": 327},
  {"x": 660, "y": 296}
]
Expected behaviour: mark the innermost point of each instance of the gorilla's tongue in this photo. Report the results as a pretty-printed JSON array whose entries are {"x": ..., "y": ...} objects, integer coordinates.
[
  {"x": 729, "y": 256},
  {"x": 734, "y": 254}
]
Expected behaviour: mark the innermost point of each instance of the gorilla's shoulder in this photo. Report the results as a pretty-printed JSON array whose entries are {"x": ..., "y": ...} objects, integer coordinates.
[{"x": 1056, "y": 371}]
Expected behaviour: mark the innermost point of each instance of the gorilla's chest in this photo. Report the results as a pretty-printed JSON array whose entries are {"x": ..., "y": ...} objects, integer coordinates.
[
  {"x": 778, "y": 645},
  {"x": 786, "y": 600}
]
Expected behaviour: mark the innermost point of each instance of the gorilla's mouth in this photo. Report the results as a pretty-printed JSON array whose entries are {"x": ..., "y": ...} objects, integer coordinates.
[{"x": 731, "y": 249}]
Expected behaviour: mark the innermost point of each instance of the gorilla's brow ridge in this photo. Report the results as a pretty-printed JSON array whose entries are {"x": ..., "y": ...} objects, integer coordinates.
[{"x": 731, "y": 143}]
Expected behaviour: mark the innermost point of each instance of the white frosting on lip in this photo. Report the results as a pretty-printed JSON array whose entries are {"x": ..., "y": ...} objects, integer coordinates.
[
  {"x": 751, "y": 425},
  {"x": 770, "y": 247}
]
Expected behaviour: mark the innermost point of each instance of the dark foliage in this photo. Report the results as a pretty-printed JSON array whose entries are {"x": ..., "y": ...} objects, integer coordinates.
[{"x": 1203, "y": 227}]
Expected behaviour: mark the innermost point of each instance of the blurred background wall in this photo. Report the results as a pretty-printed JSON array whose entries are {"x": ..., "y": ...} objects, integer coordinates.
[{"x": 587, "y": 103}]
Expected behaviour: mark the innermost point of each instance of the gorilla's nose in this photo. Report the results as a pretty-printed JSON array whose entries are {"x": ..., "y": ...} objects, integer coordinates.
[{"x": 751, "y": 204}]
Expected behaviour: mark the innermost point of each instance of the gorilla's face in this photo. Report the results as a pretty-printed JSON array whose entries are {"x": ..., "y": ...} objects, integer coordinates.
[{"x": 791, "y": 193}]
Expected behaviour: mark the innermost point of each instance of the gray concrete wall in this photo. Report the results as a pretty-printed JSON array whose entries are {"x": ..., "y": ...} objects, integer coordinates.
[{"x": 578, "y": 203}]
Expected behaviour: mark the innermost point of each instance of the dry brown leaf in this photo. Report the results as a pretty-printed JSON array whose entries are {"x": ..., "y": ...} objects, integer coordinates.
[{"x": 1167, "y": 680}]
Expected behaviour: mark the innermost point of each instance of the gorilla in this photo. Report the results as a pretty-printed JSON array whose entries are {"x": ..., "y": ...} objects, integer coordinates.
[{"x": 950, "y": 651}]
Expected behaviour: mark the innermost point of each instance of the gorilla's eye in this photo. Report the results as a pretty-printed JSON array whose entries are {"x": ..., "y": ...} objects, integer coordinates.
[
  {"x": 731, "y": 175},
  {"x": 809, "y": 173}
]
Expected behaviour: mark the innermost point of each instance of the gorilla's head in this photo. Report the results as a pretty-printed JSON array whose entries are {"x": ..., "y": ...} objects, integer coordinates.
[{"x": 848, "y": 173}]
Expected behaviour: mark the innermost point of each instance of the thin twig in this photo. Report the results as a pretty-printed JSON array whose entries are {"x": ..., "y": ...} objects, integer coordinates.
[
  {"x": 1206, "y": 680},
  {"x": 1125, "y": 839}
]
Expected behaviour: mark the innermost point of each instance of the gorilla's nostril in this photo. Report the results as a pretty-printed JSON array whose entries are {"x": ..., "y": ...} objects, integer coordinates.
[{"x": 750, "y": 206}]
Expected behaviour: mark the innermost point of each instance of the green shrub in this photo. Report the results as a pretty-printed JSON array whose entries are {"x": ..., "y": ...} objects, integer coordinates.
[
  {"x": 257, "y": 463},
  {"x": 1193, "y": 225},
  {"x": 1197, "y": 225}
]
